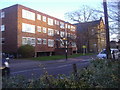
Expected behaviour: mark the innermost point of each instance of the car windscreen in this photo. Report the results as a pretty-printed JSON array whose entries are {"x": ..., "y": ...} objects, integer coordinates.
[{"x": 104, "y": 52}]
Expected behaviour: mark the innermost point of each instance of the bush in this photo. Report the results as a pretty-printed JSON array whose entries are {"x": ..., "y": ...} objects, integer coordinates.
[
  {"x": 102, "y": 74},
  {"x": 26, "y": 51}
]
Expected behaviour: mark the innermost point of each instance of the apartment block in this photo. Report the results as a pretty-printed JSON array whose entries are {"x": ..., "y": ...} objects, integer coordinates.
[
  {"x": 92, "y": 35},
  {"x": 22, "y": 25}
]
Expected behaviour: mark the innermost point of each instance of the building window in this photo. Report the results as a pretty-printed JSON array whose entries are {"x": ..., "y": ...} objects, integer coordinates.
[
  {"x": 39, "y": 29},
  {"x": 92, "y": 31},
  {"x": 61, "y": 44},
  {"x": 50, "y": 32},
  {"x": 57, "y": 32},
  {"x": 2, "y": 27},
  {"x": 44, "y": 18},
  {"x": 24, "y": 40},
  {"x": 62, "y": 34},
  {"x": 28, "y": 15},
  {"x": 68, "y": 35},
  {"x": 50, "y": 21},
  {"x": 39, "y": 41},
  {"x": 2, "y": 14},
  {"x": 62, "y": 25},
  {"x": 56, "y": 22},
  {"x": 73, "y": 36},
  {"x": 44, "y": 41},
  {"x": 44, "y": 30},
  {"x": 28, "y": 28},
  {"x": 50, "y": 43},
  {"x": 28, "y": 40},
  {"x": 73, "y": 44},
  {"x": 32, "y": 40},
  {"x": 72, "y": 28},
  {"x": 38, "y": 17},
  {"x": 68, "y": 26},
  {"x": 2, "y": 40}
]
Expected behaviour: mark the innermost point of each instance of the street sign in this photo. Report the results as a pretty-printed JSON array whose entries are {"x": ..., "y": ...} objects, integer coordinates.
[{"x": 83, "y": 46}]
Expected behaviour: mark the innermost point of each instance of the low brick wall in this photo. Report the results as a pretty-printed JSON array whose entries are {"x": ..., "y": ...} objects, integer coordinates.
[{"x": 61, "y": 51}]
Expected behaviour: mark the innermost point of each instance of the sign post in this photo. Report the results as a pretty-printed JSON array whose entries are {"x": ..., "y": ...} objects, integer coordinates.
[{"x": 84, "y": 49}]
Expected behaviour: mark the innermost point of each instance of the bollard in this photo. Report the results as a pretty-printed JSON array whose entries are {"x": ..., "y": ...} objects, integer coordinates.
[
  {"x": 113, "y": 54},
  {"x": 75, "y": 71}
]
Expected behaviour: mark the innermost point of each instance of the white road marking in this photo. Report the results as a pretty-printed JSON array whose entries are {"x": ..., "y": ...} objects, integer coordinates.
[
  {"x": 35, "y": 69},
  {"x": 63, "y": 66},
  {"x": 40, "y": 69}
]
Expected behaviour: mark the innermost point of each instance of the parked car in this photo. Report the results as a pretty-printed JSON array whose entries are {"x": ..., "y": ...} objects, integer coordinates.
[
  {"x": 114, "y": 53},
  {"x": 5, "y": 65}
]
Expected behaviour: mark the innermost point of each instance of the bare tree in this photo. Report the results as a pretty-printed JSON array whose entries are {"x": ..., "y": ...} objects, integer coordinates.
[
  {"x": 84, "y": 14},
  {"x": 114, "y": 17}
]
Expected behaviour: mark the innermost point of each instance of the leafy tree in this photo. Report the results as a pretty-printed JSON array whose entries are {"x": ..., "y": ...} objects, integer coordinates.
[{"x": 26, "y": 51}]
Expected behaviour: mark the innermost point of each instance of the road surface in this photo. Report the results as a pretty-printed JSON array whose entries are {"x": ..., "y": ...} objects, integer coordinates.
[{"x": 34, "y": 69}]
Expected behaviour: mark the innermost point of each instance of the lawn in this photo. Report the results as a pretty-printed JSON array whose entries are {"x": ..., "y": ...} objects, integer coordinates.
[{"x": 57, "y": 57}]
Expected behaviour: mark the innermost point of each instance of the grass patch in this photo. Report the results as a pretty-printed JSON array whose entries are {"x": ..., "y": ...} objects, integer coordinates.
[{"x": 58, "y": 57}]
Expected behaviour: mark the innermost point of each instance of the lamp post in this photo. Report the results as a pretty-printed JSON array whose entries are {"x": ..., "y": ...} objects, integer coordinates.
[{"x": 66, "y": 47}]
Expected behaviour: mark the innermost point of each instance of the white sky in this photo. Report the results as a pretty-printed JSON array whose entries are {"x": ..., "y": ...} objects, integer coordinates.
[{"x": 56, "y": 8}]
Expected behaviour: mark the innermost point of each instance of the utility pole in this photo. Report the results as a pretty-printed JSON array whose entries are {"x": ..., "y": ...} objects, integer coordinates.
[{"x": 107, "y": 29}]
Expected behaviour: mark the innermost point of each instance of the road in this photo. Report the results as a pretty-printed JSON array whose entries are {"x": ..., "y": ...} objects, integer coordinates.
[{"x": 34, "y": 69}]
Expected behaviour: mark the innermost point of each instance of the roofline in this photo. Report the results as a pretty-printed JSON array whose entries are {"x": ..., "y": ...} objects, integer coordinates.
[
  {"x": 37, "y": 11},
  {"x": 89, "y": 21}
]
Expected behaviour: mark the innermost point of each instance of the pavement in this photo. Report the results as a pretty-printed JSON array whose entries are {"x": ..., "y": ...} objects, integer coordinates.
[{"x": 81, "y": 58}]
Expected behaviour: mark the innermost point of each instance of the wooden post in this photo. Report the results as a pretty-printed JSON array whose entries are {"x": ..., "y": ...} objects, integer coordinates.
[
  {"x": 75, "y": 71},
  {"x": 107, "y": 29}
]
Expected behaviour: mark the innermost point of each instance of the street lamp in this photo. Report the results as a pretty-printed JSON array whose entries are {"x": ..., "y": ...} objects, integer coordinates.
[{"x": 66, "y": 46}]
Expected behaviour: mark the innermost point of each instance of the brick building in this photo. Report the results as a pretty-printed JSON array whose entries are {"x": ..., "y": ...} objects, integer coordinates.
[
  {"x": 22, "y": 25},
  {"x": 92, "y": 35}
]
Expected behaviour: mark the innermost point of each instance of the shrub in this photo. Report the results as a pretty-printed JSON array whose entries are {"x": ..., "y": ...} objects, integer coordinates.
[
  {"x": 26, "y": 51},
  {"x": 102, "y": 74}
]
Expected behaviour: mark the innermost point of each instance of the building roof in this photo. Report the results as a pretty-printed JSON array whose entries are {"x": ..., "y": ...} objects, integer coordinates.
[
  {"x": 19, "y": 5},
  {"x": 85, "y": 25}
]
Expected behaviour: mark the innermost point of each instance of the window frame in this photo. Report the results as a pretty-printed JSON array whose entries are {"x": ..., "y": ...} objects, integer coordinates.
[
  {"x": 44, "y": 41},
  {"x": 28, "y": 14},
  {"x": 28, "y": 28},
  {"x": 50, "y": 32},
  {"x": 2, "y": 14},
  {"x": 44, "y": 18},
  {"x": 2, "y": 28},
  {"x": 50, "y": 21},
  {"x": 50, "y": 43},
  {"x": 39, "y": 17},
  {"x": 39, "y": 28},
  {"x": 44, "y": 30},
  {"x": 39, "y": 39}
]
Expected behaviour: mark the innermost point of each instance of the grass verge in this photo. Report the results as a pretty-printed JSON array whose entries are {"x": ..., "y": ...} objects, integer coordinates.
[{"x": 58, "y": 57}]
